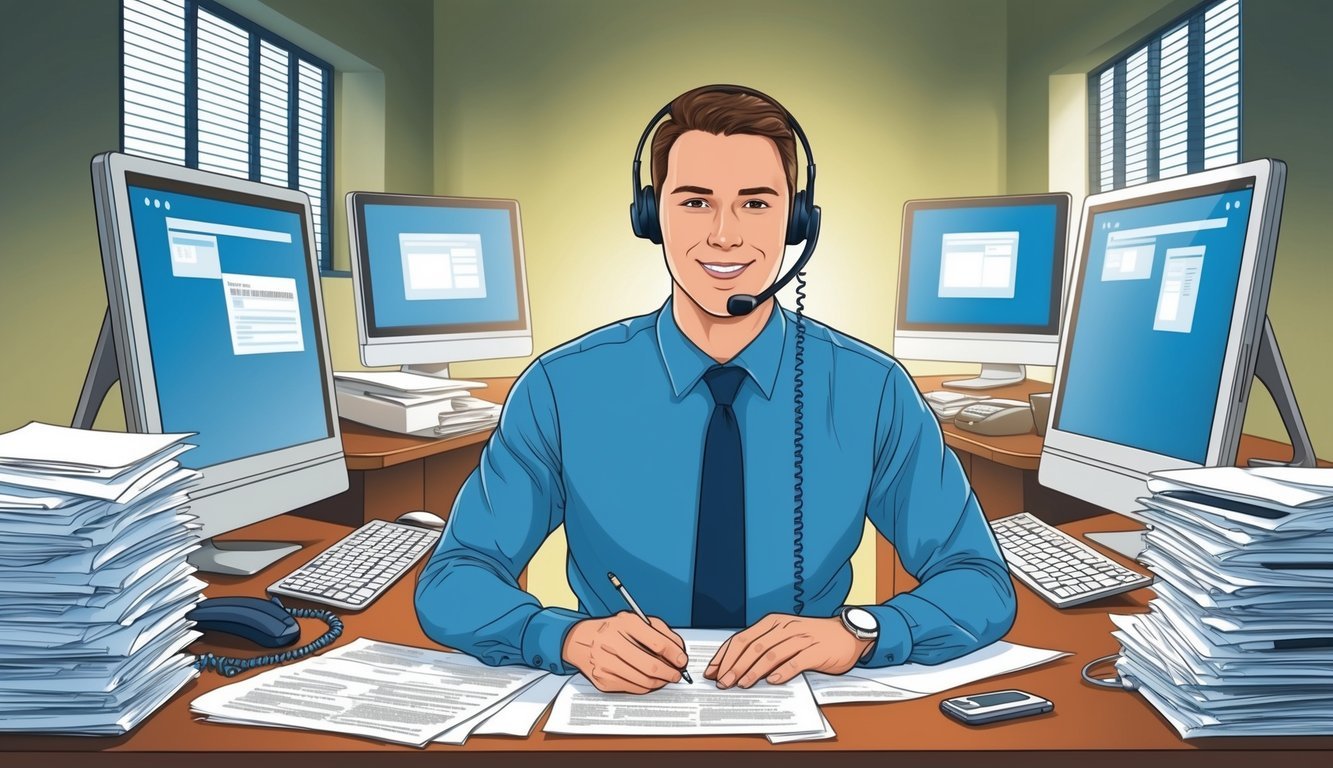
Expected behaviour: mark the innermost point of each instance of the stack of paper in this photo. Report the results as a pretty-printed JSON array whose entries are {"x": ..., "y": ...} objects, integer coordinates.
[
  {"x": 94, "y": 586},
  {"x": 414, "y": 404},
  {"x": 1239, "y": 640},
  {"x": 382, "y": 691}
]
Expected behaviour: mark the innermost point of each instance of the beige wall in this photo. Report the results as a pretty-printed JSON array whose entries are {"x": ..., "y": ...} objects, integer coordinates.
[
  {"x": 544, "y": 102},
  {"x": 1284, "y": 113}
]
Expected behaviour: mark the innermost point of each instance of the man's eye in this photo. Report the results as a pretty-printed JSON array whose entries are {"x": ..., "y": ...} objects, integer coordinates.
[
  {"x": 695, "y": 203},
  {"x": 755, "y": 204}
]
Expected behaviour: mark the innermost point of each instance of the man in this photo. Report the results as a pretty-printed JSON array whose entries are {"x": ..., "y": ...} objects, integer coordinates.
[{"x": 664, "y": 444}]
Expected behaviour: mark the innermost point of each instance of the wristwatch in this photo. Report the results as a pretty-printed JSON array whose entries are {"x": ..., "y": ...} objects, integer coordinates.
[{"x": 860, "y": 622}]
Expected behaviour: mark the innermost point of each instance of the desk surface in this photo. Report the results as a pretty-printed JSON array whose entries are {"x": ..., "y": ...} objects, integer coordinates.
[
  {"x": 1084, "y": 719},
  {"x": 371, "y": 448}
]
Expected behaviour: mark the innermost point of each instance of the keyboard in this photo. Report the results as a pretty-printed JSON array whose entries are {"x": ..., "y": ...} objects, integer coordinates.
[
  {"x": 1061, "y": 569},
  {"x": 356, "y": 570}
]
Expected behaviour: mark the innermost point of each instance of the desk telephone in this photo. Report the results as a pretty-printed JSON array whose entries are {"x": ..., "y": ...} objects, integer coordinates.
[{"x": 264, "y": 622}]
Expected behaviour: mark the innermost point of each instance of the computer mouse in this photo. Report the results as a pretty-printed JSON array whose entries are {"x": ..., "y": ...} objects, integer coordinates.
[
  {"x": 422, "y": 519},
  {"x": 262, "y": 622}
]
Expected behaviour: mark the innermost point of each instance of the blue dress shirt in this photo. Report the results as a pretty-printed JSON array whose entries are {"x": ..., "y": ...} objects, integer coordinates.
[{"x": 604, "y": 435}]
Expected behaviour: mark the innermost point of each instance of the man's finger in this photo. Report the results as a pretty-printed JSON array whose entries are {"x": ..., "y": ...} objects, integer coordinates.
[
  {"x": 710, "y": 671},
  {"x": 656, "y": 643},
  {"x": 806, "y": 659},
  {"x": 608, "y": 680},
  {"x": 661, "y": 626},
  {"x": 741, "y": 642},
  {"x": 756, "y": 664},
  {"x": 640, "y": 666}
]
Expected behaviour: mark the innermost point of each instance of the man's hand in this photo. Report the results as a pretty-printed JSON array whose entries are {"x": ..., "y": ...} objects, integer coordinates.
[
  {"x": 621, "y": 654},
  {"x": 779, "y": 647}
]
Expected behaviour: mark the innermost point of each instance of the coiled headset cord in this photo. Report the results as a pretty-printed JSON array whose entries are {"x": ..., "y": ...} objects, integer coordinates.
[{"x": 798, "y": 452}]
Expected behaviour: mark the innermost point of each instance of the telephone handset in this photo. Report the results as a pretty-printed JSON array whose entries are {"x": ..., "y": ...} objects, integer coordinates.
[{"x": 264, "y": 622}]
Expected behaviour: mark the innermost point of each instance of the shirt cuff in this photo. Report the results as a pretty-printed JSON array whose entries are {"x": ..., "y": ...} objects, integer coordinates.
[
  {"x": 894, "y": 644},
  {"x": 544, "y": 639}
]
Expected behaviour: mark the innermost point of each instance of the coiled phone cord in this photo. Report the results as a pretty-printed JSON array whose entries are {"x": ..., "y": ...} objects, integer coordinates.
[
  {"x": 229, "y": 666},
  {"x": 798, "y": 452}
]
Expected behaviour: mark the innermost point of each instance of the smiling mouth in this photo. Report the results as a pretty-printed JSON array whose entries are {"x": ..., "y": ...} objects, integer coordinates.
[{"x": 724, "y": 270}]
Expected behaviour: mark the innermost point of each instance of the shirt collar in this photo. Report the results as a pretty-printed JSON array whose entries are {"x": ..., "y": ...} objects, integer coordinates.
[{"x": 686, "y": 363}]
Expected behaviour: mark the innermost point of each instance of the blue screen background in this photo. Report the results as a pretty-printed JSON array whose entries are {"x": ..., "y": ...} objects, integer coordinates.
[
  {"x": 1127, "y": 383},
  {"x": 1031, "y": 304},
  {"x": 240, "y": 405},
  {"x": 392, "y": 309}
]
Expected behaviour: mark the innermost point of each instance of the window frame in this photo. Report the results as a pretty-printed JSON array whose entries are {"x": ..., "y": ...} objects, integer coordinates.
[
  {"x": 295, "y": 54},
  {"x": 1194, "y": 99}
]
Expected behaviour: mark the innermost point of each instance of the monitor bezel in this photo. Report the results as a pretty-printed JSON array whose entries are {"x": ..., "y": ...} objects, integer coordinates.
[
  {"x": 371, "y": 333},
  {"x": 113, "y": 173},
  {"x": 1084, "y": 459},
  {"x": 1049, "y": 333}
]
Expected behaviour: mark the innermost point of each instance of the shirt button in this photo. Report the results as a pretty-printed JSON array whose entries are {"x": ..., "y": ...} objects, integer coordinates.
[
  {"x": 537, "y": 661},
  {"x": 552, "y": 667}
]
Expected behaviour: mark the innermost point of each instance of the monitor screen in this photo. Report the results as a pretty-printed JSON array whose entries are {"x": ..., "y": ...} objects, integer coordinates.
[
  {"x": 983, "y": 265},
  {"x": 228, "y": 300},
  {"x": 439, "y": 265},
  {"x": 1152, "y": 314}
]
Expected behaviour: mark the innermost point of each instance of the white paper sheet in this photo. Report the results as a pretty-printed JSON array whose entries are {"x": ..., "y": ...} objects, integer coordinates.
[
  {"x": 96, "y": 453},
  {"x": 367, "y": 688},
  {"x": 825, "y": 732},
  {"x": 913, "y": 681},
  {"x": 684, "y": 709},
  {"x": 518, "y": 715}
]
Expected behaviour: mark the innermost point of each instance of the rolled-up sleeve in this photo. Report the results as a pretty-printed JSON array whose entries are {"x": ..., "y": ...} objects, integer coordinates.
[
  {"x": 921, "y": 501},
  {"x": 467, "y": 596}
]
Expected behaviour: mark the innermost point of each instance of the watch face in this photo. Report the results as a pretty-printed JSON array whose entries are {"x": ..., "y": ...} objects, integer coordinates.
[{"x": 862, "y": 619}]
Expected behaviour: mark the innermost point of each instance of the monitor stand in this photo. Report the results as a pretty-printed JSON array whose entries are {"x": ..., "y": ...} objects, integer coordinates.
[
  {"x": 434, "y": 370},
  {"x": 240, "y": 558},
  {"x": 992, "y": 375},
  {"x": 1272, "y": 373}
]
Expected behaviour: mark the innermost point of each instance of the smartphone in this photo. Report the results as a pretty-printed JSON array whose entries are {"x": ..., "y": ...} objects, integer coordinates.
[{"x": 995, "y": 706}]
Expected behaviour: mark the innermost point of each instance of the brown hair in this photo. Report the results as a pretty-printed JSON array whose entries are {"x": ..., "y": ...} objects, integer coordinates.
[{"x": 723, "y": 112}]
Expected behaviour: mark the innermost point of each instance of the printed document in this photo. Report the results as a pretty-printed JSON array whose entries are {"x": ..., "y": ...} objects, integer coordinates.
[
  {"x": 913, "y": 681},
  {"x": 684, "y": 709},
  {"x": 368, "y": 688}
]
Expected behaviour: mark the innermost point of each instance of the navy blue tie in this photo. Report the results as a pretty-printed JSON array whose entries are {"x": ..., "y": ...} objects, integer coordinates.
[{"x": 719, "y": 545}]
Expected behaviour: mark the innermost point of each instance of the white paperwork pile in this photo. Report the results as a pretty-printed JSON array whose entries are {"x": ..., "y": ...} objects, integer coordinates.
[
  {"x": 94, "y": 586},
  {"x": 413, "y": 404},
  {"x": 1239, "y": 640}
]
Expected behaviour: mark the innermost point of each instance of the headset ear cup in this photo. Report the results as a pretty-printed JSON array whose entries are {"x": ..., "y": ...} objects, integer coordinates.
[
  {"x": 644, "y": 215},
  {"x": 798, "y": 229}
]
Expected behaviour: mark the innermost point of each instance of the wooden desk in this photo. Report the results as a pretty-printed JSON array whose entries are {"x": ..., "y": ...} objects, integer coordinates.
[
  {"x": 390, "y": 474},
  {"x": 1086, "y": 721}
]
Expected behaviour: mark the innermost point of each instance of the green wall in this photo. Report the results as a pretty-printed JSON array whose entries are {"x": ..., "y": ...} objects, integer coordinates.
[
  {"x": 52, "y": 295},
  {"x": 1285, "y": 113}
]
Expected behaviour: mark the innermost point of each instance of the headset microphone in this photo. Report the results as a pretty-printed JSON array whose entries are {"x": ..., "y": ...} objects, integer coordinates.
[{"x": 744, "y": 303}]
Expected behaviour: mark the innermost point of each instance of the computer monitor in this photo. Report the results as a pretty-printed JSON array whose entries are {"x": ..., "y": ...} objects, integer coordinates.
[
  {"x": 1167, "y": 324},
  {"x": 980, "y": 280},
  {"x": 215, "y": 326},
  {"x": 437, "y": 280}
]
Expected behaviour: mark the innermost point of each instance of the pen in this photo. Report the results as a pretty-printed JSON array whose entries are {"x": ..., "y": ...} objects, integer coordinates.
[{"x": 684, "y": 673}]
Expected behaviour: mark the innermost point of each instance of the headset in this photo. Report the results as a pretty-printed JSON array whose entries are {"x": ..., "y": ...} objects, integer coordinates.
[{"x": 802, "y": 226}]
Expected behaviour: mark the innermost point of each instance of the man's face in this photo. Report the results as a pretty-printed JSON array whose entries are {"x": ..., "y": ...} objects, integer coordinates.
[{"x": 724, "y": 211}]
